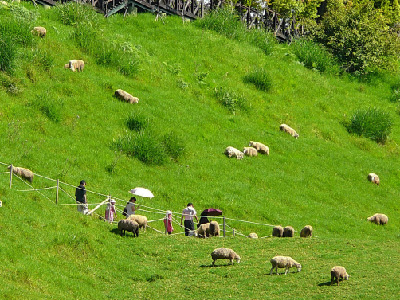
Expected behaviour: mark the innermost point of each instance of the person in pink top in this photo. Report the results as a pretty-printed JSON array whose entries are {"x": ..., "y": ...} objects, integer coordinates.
[
  {"x": 110, "y": 211},
  {"x": 168, "y": 222}
]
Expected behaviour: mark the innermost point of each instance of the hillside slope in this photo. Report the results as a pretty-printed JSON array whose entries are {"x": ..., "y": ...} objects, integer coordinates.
[{"x": 66, "y": 126}]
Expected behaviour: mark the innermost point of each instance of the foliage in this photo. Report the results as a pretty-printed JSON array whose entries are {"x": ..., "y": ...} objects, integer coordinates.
[
  {"x": 174, "y": 145},
  {"x": 8, "y": 51},
  {"x": 227, "y": 22},
  {"x": 371, "y": 123},
  {"x": 358, "y": 35},
  {"x": 314, "y": 56},
  {"x": 137, "y": 122},
  {"x": 148, "y": 149},
  {"x": 71, "y": 13},
  {"x": 50, "y": 106},
  {"x": 260, "y": 78},
  {"x": 230, "y": 99}
]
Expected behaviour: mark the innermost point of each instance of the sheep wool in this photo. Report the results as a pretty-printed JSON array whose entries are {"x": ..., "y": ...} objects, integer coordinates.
[
  {"x": 277, "y": 231},
  {"x": 290, "y": 130},
  {"x": 39, "y": 31},
  {"x": 225, "y": 253},
  {"x": 125, "y": 96},
  {"x": 373, "y": 178},
  {"x": 380, "y": 219},
  {"x": 203, "y": 230},
  {"x": 23, "y": 173},
  {"x": 250, "y": 151},
  {"x": 306, "y": 231},
  {"x": 76, "y": 65},
  {"x": 288, "y": 231},
  {"x": 130, "y": 226},
  {"x": 284, "y": 262},
  {"x": 253, "y": 235},
  {"x": 214, "y": 228},
  {"x": 141, "y": 220},
  {"x": 338, "y": 273},
  {"x": 260, "y": 147},
  {"x": 233, "y": 152}
]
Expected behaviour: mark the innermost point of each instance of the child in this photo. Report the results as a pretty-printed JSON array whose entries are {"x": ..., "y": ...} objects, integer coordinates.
[
  {"x": 110, "y": 211},
  {"x": 168, "y": 222}
]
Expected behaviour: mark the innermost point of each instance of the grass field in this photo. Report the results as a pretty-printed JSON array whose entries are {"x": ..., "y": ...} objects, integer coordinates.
[{"x": 68, "y": 126}]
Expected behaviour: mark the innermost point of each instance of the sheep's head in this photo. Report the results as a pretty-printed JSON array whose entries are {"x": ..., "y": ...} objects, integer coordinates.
[
  {"x": 296, "y": 135},
  {"x": 370, "y": 218},
  {"x": 346, "y": 277},
  {"x": 237, "y": 257},
  {"x": 251, "y": 143},
  {"x": 298, "y": 266}
]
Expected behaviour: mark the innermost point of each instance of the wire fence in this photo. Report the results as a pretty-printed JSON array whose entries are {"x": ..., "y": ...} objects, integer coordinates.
[{"x": 61, "y": 186}]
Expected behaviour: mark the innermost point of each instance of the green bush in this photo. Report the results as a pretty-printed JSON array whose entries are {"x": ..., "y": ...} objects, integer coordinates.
[
  {"x": 174, "y": 146},
  {"x": 230, "y": 99},
  {"x": 137, "y": 123},
  {"x": 314, "y": 56},
  {"x": 8, "y": 51},
  {"x": 260, "y": 78},
  {"x": 358, "y": 36},
  {"x": 371, "y": 123},
  {"x": 148, "y": 149},
  {"x": 73, "y": 12}
]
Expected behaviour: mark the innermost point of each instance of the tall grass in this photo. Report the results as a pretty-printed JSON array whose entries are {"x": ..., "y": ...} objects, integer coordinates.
[
  {"x": 260, "y": 78},
  {"x": 232, "y": 100}
]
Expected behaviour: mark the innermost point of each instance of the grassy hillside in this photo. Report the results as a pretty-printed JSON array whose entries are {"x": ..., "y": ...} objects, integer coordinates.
[{"x": 68, "y": 126}]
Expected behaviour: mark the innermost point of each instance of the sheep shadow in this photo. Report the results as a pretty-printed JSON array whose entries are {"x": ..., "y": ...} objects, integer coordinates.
[
  {"x": 324, "y": 283},
  {"x": 216, "y": 266},
  {"x": 117, "y": 232}
]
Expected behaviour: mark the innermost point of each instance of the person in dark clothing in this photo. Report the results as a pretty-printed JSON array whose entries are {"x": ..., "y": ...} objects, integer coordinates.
[
  {"x": 80, "y": 196},
  {"x": 203, "y": 219}
]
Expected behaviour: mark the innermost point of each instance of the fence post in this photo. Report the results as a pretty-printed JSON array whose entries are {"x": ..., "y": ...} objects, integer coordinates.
[
  {"x": 233, "y": 231},
  {"x": 224, "y": 226},
  {"x": 11, "y": 172},
  {"x": 58, "y": 185}
]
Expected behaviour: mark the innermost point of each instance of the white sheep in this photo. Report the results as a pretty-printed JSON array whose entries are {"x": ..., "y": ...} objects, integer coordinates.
[
  {"x": 225, "y": 253},
  {"x": 260, "y": 147},
  {"x": 141, "y": 220},
  {"x": 203, "y": 230},
  {"x": 306, "y": 231},
  {"x": 338, "y": 273},
  {"x": 380, "y": 219},
  {"x": 214, "y": 228},
  {"x": 125, "y": 96},
  {"x": 233, "y": 152},
  {"x": 250, "y": 151},
  {"x": 284, "y": 262},
  {"x": 40, "y": 31},
  {"x": 289, "y": 130},
  {"x": 288, "y": 231},
  {"x": 23, "y": 173},
  {"x": 253, "y": 235},
  {"x": 373, "y": 178},
  {"x": 277, "y": 231},
  {"x": 130, "y": 226},
  {"x": 76, "y": 65}
]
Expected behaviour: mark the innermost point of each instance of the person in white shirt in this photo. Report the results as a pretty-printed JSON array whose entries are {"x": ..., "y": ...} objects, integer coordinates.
[
  {"x": 130, "y": 207},
  {"x": 189, "y": 213}
]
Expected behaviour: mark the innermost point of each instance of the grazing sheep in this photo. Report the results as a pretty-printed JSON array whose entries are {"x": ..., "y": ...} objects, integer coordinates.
[
  {"x": 214, "y": 228},
  {"x": 225, "y": 253},
  {"x": 277, "y": 231},
  {"x": 288, "y": 231},
  {"x": 338, "y": 273},
  {"x": 203, "y": 230},
  {"x": 373, "y": 178},
  {"x": 5, "y": 3},
  {"x": 284, "y": 262},
  {"x": 66, "y": 66},
  {"x": 289, "y": 130},
  {"x": 253, "y": 235},
  {"x": 23, "y": 173},
  {"x": 306, "y": 231},
  {"x": 130, "y": 226},
  {"x": 76, "y": 65},
  {"x": 379, "y": 219},
  {"x": 141, "y": 220},
  {"x": 250, "y": 151},
  {"x": 260, "y": 147},
  {"x": 124, "y": 96},
  {"x": 230, "y": 151},
  {"x": 39, "y": 31}
]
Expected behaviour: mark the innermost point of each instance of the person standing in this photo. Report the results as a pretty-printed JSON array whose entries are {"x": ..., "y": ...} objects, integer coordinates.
[
  {"x": 130, "y": 207},
  {"x": 168, "y": 222},
  {"x": 110, "y": 211},
  {"x": 80, "y": 197},
  {"x": 188, "y": 213}
]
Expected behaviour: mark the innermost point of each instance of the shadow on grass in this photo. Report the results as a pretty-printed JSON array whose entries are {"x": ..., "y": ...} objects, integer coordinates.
[
  {"x": 324, "y": 283},
  {"x": 216, "y": 266}
]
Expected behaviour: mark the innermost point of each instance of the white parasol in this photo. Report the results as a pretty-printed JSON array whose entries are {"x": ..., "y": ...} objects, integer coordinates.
[{"x": 142, "y": 192}]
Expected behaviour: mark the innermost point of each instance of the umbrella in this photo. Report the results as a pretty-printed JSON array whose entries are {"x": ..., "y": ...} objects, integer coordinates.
[
  {"x": 211, "y": 212},
  {"x": 142, "y": 192}
]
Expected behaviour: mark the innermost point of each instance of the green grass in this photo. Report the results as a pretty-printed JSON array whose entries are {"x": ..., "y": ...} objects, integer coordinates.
[{"x": 65, "y": 125}]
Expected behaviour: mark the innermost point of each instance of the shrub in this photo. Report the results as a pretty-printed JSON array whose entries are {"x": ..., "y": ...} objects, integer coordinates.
[
  {"x": 148, "y": 149},
  {"x": 137, "y": 123},
  {"x": 50, "y": 107},
  {"x": 8, "y": 51},
  {"x": 230, "y": 99},
  {"x": 174, "y": 146},
  {"x": 371, "y": 123},
  {"x": 314, "y": 56},
  {"x": 260, "y": 78},
  {"x": 73, "y": 12}
]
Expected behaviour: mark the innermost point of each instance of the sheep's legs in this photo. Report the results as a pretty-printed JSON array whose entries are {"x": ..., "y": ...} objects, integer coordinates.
[
  {"x": 287, "y": 270},
  {"x": 270, "y": 272}
]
